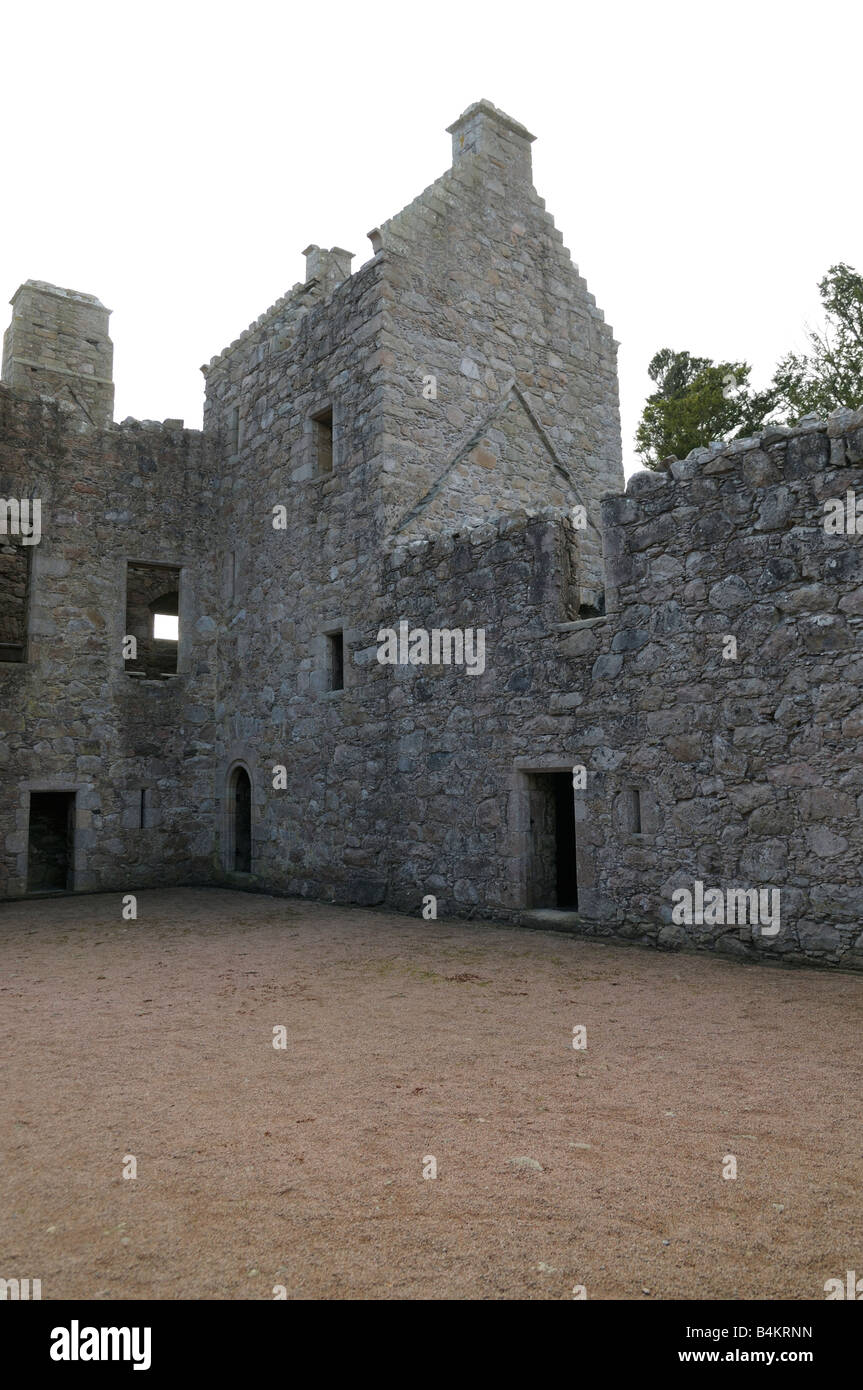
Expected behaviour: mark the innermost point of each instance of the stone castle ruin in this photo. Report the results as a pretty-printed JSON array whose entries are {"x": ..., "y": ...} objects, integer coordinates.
[{"x": 191, "y": 682}]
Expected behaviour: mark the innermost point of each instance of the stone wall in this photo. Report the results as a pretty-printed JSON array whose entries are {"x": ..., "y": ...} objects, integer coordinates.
[
  {"x": 14, "y": 575},
  {"x": 71, "y": 716},
  {"x": 290, "y": 584},
  {"x": 750, "y": 768},
  {"x": 449, "y": 771},
  {"x": 747, "y": 767}
]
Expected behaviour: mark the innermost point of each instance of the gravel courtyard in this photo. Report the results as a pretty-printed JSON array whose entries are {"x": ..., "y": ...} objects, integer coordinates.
[{"x": 302, "y": 1167}]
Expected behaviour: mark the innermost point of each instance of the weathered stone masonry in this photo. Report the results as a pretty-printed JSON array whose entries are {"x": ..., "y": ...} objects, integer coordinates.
[
  {"x": 72, "y": 719},
  {"x": 421, "y": 433}
]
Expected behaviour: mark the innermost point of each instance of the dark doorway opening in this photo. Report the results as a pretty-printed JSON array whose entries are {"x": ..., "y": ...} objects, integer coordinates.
[
  {"x": 51, "y": 841},
  {"x": 552, "y": 875},
  {"x": 242, "y": 822}
]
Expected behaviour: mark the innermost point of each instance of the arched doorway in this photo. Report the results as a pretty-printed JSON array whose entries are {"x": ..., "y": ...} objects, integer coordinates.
[{"x": 240, "y": 822}]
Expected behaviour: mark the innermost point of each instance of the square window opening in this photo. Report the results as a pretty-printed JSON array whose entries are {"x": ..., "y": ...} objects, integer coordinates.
[{"x": 152, "y": 620}]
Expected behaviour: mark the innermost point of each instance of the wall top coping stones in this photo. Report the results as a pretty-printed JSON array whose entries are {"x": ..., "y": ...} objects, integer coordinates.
[
  {"x": 268, "y": 314},
  {"x": 840, "y": 422},
  {"x": 293, "y": 299},
  {"x": 173, "y": 426},
  {"x": 56, "y": 292}
]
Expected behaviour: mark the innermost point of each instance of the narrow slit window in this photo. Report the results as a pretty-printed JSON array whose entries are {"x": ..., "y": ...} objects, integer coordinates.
[
  {"x": 322, "y": 425},
  {"x": 14, "y": 583},
  {"x": 336, "y": 660},
  {"x": 232, "y": 574},
  {"x": 635, "y": 810},
  {"x": 234, "y": 429}
]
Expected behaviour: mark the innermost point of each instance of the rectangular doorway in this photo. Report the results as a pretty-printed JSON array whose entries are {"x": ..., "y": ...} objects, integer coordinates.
[
  {"x": 51, "y": 842},
  {"x": 552, "y": 880}
]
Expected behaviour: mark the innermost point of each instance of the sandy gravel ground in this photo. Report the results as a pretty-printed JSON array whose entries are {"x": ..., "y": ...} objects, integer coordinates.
[{"x": 303, "y": 1167}]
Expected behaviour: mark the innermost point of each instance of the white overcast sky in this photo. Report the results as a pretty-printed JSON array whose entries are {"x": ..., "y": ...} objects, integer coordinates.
[{"x": 701, "y": 160}]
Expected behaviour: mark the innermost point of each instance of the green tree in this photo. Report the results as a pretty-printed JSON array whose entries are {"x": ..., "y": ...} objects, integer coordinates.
[
  {"x": 696, "y": 401},
  {"x": 831, "y": 373}
]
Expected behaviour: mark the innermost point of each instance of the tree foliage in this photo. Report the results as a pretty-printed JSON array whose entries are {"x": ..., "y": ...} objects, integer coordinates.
[
  {"x": 831, "y": 373},
  {"x": 697, "y": 400}
]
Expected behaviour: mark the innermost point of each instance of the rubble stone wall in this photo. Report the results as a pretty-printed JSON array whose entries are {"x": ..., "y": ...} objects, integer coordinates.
[{"x": 71, "y": 716}]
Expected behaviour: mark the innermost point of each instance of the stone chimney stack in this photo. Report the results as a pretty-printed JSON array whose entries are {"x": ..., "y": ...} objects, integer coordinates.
[
  {"x": 58, "y": 345},
  {"x": 483, "y": 129},
  {"x": 330, "y": 267}
]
